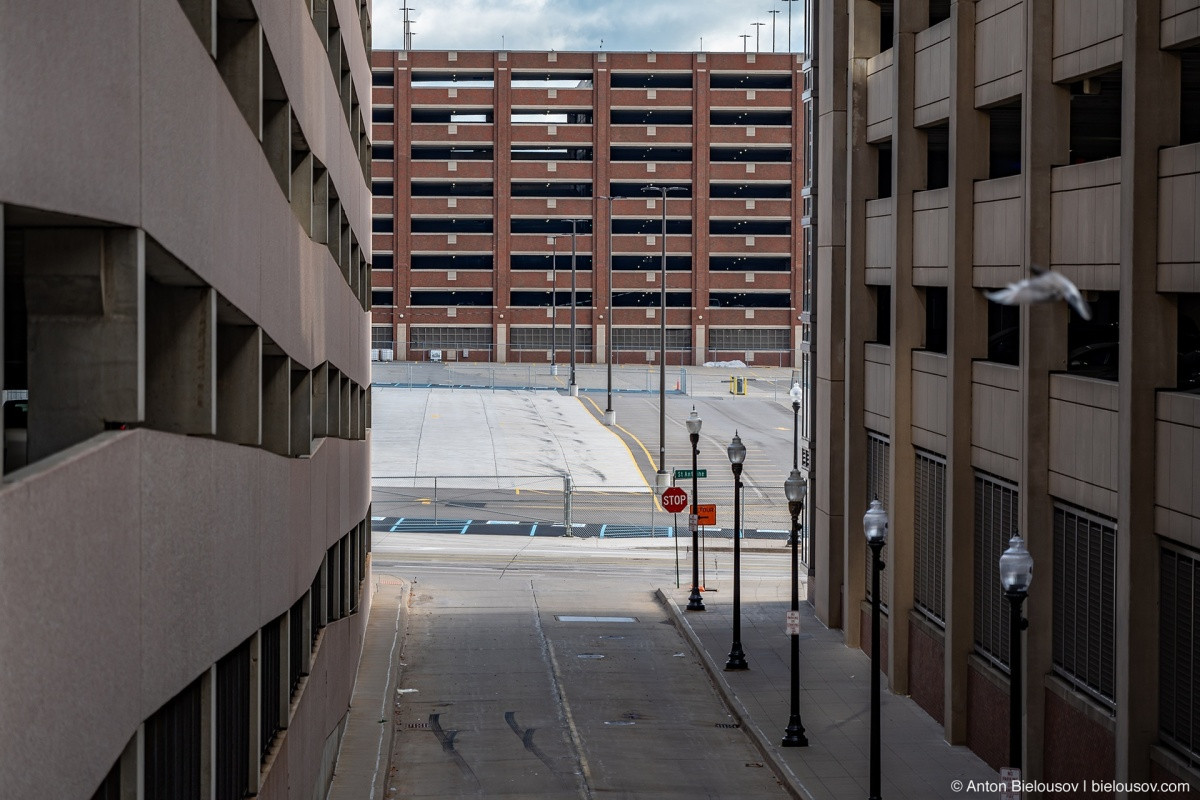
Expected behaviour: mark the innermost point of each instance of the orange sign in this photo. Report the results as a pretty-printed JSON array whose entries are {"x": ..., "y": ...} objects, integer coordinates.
[{"x": 706, "y": 514}]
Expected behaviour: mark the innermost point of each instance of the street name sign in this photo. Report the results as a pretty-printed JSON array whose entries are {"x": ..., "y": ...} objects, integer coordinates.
[{"x": 687, "y": 473}]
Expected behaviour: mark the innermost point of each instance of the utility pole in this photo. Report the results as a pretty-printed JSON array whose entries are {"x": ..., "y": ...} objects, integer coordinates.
[
  {"x": 408, "y": 34},
  {"x": 789, "y": 5}
]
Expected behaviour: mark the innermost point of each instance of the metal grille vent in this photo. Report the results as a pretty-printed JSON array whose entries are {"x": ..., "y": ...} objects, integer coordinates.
[
  {"x": 929, "y": 584},
  {"x": 1085, "y": 577},
  {"x": 995, "y": 523},
  {"x": 1178, "y": 643},
  {"x": 878, "y": 485}
]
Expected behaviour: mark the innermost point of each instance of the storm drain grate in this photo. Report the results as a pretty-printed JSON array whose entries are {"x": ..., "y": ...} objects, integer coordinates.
[
  {"x": 729, "y": 725},
  {"x": 418, "y": 726},
  {"x": 569, "y": 618}
]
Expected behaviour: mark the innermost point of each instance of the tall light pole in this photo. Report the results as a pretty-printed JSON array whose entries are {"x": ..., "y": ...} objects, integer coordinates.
[
  {"x": 774, "y": 12},
  {"x": 610, "y": 415},
  {"x": 737, "y": 454},
  {"x": 1016, "y": 573},
  {"x": 789, "y": 5},
  {"x": 554, "y": 306},
  {"x": 695, "y": 601},
  {"x": 795, "y": 394},
  {"x": 662, "y": 341},
  {"x": 572, "y": 387},
  {"x": 794, "y": 489},
  {"x": 875, "y": 526},
  {"x": 757, "y": 34},
  {"x": 745, "y": 38}
]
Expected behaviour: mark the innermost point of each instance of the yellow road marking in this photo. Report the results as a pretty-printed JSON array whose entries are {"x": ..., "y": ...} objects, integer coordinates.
[{"x": 622, "y": 441}]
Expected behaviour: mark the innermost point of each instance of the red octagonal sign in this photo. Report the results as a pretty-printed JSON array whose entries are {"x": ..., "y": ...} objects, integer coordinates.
[{"x": 674, "y": 500}]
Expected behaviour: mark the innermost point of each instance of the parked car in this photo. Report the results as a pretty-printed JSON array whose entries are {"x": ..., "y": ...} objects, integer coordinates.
[{"x": 1098, "y": 360}]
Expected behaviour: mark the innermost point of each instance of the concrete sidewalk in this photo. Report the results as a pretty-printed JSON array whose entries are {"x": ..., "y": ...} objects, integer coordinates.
[{"x": 917, "y": 763}]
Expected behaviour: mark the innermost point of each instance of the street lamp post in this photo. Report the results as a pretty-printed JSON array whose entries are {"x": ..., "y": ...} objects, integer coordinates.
[
  {"x": 795, "y": 393},
  {"x": 662, "y": 341},
  {"x": 554, "y": 306},
  {"x": 695, "y": 601},
  {"x": 794, "y": 489},
  {"x": 572, "y": 387},
  {"x": 610, "y": 415},
  {"x": 789, "y": 5},
  {"x": 875, "y": 526},
  {"x": 1016, "y": 573},
  {"x": 737, "y": 454}
]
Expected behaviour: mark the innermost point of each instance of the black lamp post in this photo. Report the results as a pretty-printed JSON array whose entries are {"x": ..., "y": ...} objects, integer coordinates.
[
  {"x": 554, "y": 306},
  {"x": 572, "y": 387},
  {"x": 661, "y": 476},
  {"x": 737, "y": 454},
  {"x": 695, "y": 601},
  {"x": 794, "y": 489},
  {"x": 875, "y": 526},
  {"x": 610, "y": 415},
  {"x": 1016, "y": 573},
  {"x": 795, "y": 394}
]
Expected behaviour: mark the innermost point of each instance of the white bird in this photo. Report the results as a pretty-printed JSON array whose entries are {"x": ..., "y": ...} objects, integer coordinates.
[{"x": 1044, "y": 287}]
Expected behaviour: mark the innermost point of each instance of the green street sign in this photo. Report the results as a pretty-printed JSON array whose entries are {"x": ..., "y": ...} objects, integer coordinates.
[{"x": 687, "y": 473}]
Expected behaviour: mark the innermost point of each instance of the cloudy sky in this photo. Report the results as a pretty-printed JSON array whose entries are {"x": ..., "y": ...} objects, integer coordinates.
[{"x": 662, "y": 25}]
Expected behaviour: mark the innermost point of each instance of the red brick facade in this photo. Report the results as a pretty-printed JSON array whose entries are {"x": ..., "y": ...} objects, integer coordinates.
[{"x": 510, "y": 146}]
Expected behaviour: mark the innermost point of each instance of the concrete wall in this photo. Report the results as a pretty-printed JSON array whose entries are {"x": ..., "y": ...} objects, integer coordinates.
[{"x": 181, "y": 288}]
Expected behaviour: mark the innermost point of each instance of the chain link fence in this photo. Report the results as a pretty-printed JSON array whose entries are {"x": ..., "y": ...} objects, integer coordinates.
[{"x": 548, "y": 505}]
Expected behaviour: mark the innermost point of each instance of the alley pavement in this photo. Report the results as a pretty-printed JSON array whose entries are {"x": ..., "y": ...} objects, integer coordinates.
[{"x": 917, "y": 763}]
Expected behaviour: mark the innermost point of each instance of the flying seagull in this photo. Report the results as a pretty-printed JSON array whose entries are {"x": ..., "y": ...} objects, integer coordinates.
[{"x": 1043, "y": 287}]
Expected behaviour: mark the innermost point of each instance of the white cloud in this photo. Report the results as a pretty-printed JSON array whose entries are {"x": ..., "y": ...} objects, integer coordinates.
[{"x": 662, "y": 25}]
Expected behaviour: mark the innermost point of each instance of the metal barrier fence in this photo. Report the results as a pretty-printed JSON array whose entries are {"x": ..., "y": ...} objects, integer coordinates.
[
  {"x": 760, "y": 382},
  {"x": 554, "y": 505},
  {"x": 420, "y": 375}
]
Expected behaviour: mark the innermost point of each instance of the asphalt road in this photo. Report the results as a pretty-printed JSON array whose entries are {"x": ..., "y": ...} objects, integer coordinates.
[{"x": 546, "y": 669}]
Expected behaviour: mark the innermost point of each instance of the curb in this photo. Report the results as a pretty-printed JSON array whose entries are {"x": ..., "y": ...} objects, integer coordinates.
[
  {"x": 737, "y": 709},
  {"x": 364, "y": 754}
]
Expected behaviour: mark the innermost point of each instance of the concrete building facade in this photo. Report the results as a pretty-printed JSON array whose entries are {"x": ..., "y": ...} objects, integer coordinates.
[
  {"x": 960, "y": 145},
  {"x": 487, "y": 162},
  {"x": 184, "y": 506}
]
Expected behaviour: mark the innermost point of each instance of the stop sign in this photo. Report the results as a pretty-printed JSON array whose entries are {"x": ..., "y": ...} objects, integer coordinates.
[{"x": 674, "y": 499}]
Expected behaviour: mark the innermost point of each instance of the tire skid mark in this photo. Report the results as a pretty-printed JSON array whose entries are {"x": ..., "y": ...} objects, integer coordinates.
[
  {"x": 526, "y": 737},
  {"x": 446, "y": 739}
]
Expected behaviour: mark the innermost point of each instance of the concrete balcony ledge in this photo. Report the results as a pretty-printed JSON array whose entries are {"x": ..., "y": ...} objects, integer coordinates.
[
  {"x": 1177, "y": 512},
  {"x": 1083, "y": 441}
]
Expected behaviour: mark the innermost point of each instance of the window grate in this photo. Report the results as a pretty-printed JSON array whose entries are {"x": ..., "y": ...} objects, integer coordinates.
[
  {"x": 1179, "y": 651},
  {"x": 295, "y": 644},
  {"x": 648, "y": 338},
  {"x": 995, "y": 523},
  {"x": 233, "y": 724},
  {"x": 929, "y": 580},
  {"x": 1085, "y": 576},
  {"x": 269, "y": 677},
  {"x": 448, "y": 338},
  {"x": 878, "y": 484},
  {"x": 540, "y": 338},
  {"x": 720, "y": 339},
  {"x": 173, "y": 747}
]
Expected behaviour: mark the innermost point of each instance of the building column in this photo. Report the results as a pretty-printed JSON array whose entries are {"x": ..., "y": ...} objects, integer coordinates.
[
  {"x": 1045, "y": 143},
  {"x": 830, "y": 422},
  {"x": 967, "y": 340},
  {"x": 1150, "y": 95},
  {"x": 908, "y": 320}
]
